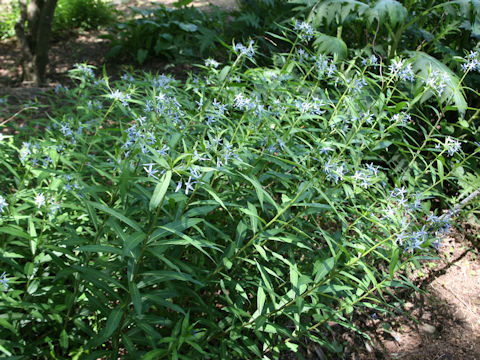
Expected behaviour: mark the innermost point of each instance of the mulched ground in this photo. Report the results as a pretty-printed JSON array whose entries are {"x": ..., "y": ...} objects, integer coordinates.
[{"x": 440, "y": 322}]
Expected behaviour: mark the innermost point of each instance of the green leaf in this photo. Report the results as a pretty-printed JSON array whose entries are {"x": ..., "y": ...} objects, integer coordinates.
[
  {"x": 101, "y": 248},
  {"x": 261, "y": 297},
  {"x": 141, "y": 55},
  {"x": 253, "y": 215},
  {"x": 112, "y": 324},
  {"x": 217, "y": 199},
  {"x": 154, "y": 354},
  {"x": 160, "y": 190},
  {"x": 391, "y": 9},
  {"x": 94, "y": 275},
  {"x": 13, "y": 230},
  {"x": 166, "y": 303},
  {"x": 9, "y": 354},
  {"x": 129, "y": 346},
  {"x": 174, "y": 226},
  {"x": 294, "y": 277},
  {"x": 158, "y": 276},
  {"x": 131, "y": 243},
  {"x": 33, "y": 236},
  {"x": 440, "y": 169},
  {"x": 180, "y": 3},
  {"x": 382, "y": 145},
  {"x": 4, "y": 323},
  {"x": 223, "y": 74},
  {"x": 92, "y": 214},
  {"x": 116, "y": 214},
  {"x": 261, "y": 192},
  {"x": 264, "y": 275},
  {"x": 33, "y": 286},
  {"x": 338, "y": 11},
  {"x": 393, "y": 262},
  {"x": 183, "y": 239},
  {"x": 64, "y": 339},
  {"x": 186, "y": 27},
  {"x": 327, "y": 44},
  {"x": 322, "y": 268},
  {"x": 136, "y": 297}
]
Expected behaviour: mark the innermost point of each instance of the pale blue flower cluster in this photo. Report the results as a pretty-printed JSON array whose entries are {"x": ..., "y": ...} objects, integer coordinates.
[
  {"x": 36, "y": 153},
  {"x": 120, "y": 96},
  {"x": 85, "y": 70},
  {"x": 324, "y": 65},
  {"x": 401, "y": 118},
  {"x": 402, "y": 70},
  {"x": 451, "y": 146},
  {"x": 372, "y": 60},
  {"x": 127, "y": 77},
  {"x": 40, "y": 200},
  {"x": 304, "y": 30},
  {"x": 436, "y": 82},
  {"x": 4, "y": 280},
  {"x": 70, "y": 183},
  {"x": 313, "y": 107},
  {"x": 241, "y": 49},
  {"x": 414, "y": 234},
  {"x": 211, "y": 63},
  {"x": 336, "y": 170},
  {"x": 3, "y": 204},
  {"x": 94, "y": 105},
  {"x": 472, "y": 62}
]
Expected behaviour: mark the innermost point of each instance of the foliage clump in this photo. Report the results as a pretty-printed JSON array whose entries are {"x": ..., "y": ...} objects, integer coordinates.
[{"x": 82, "y": 14}]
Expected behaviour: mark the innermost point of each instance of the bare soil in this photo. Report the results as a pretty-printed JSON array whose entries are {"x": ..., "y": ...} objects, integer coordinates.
[{"x": 441, "y": 321}]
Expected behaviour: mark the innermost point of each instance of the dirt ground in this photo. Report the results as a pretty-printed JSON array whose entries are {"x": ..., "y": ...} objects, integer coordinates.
[
  {"x": 440, "y": 322},
  {"x": 443, "y": 320}
]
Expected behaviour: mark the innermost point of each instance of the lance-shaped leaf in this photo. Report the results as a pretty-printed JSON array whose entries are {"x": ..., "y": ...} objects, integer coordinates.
[{"x": 160, "y": 190}]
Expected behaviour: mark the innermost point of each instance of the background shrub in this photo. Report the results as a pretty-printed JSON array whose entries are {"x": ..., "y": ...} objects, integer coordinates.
[
  {"x": 82, "y": 14},
  {"x": 8, "y": 19},
  {"x": 175, "y": 34}
]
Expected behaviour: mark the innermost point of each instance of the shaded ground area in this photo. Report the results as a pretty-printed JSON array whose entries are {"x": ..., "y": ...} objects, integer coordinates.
[
  {"x": 90, "y": 47},
  {"x": 442, "y": 321}
]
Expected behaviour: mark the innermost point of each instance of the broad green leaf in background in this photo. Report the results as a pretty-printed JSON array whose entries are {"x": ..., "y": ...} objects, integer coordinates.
[
  {"x": 392, "y": 10},
  {"x": 335, "y": 11},
  {"x": 331, "y": 45}
]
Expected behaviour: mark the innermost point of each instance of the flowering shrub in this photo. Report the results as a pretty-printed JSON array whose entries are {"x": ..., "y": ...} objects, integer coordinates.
[{"x": 234, "y": 215}]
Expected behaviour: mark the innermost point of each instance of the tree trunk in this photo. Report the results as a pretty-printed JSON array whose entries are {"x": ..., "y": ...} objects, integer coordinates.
[{"x": 33, "y": 30}]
